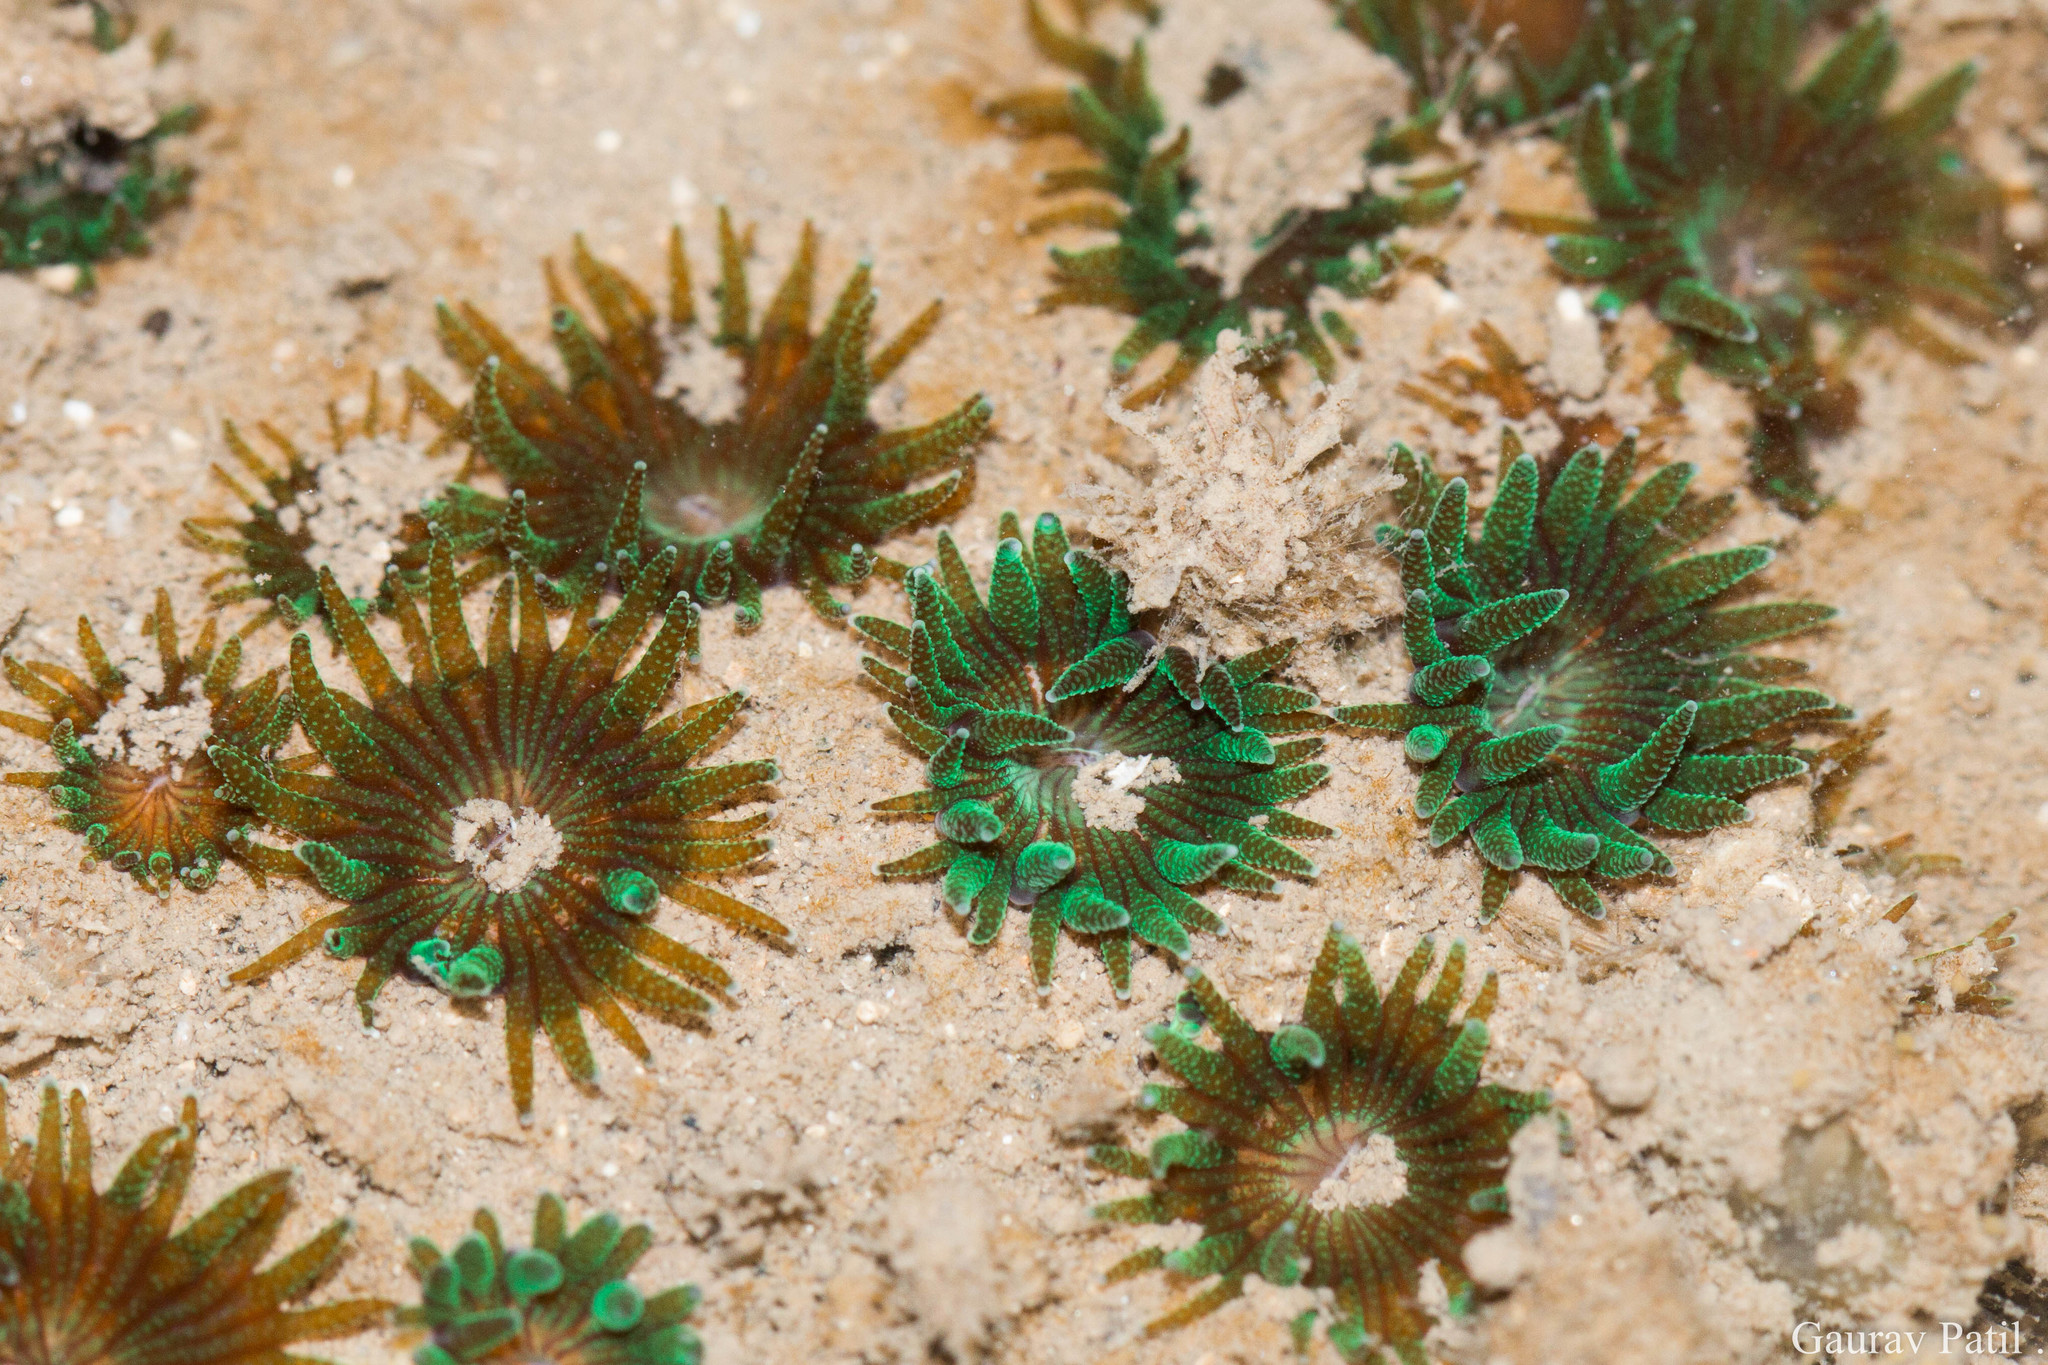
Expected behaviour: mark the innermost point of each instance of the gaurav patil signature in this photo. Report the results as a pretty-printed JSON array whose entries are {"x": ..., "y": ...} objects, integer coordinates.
[{"x": 1954, "y": 1338}]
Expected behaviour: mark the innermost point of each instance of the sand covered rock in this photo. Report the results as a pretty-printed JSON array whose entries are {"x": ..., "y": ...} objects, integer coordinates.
[
  {"x": 1279, "y": 106},
  {"x": 1757, "y": 1106},
  {"x": 53, "y": 82},
  {"x": 1254, "y": 524}
]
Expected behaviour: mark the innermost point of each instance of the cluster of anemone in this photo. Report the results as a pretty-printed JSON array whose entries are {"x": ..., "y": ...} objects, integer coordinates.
[
  {"x": 1748, "y": 211},
  {"x": 506, "y": 819},
  {"x": 1342, "y": 1153},
  {"x": 135, "y": 777},
  {"x": 1748, "y": 208},
  {"x": 748, "y": 451},
  {"x": 92, "y": 1274},
  {"x": 1139, "y": 188},
  {"x": 1077, "y": 770},
  {"x": 1577, "y": 676}
]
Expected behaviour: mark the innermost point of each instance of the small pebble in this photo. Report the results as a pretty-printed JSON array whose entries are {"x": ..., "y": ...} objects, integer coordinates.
[{"x": 1575, "y": 360}]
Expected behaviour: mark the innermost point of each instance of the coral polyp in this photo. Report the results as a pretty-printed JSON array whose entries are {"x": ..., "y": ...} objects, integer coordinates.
[
  {"x": 1577, "y": 675},
  {"x": 512, "y": 820},
  {"x": 1075, "y": 770},
  {"x": 96, "y": 1277},
  {"x": 342, "y": 509},
  {"x": 80, "y": 174},
  {"x": 564, "y": 1300},
  {"x": 750, "y": 453},
  {"x": 1153, "y": 270},
  {"x": 1747, "y": 211},
  {"x": 135, "y": 778},
  {"x": 1342, "y": 1152}
]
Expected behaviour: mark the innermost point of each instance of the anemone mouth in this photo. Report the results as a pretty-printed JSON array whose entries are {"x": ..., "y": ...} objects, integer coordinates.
[
  {"x": 1552, "y": 692},
  {"x": 681, "y": 505},
  {"x": 1090, "y": 719},
  {"x": 160, "y": 786},
  {"x": 1088, "y": 782},
  {"x": 1051, "y": 759},
  {"x": 160, "y": 797},
  {"x": 544, "y": 1353},
  {"x": 1345, "y": 1165},
  {"x": 1760, "y": 241},
  {"x": 503, "y": 846},
  {"x": 162, "y": 821}
]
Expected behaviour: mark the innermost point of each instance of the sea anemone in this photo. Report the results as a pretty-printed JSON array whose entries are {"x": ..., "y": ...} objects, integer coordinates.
[
  {"x": 1076, "y": 770},
  {"x": 751, "y": 454},
  {"x": 96, "y": 1277},
  {"x": 342, "y": 509},
  {"x": 514, "y": 820},
  {"x": 1342, "y": 1152},
  {"x": 1574, "y": 678},
  {"x": 135, "y": 778},
  {"x": 91, "y": 197},
  {"x": 1746, "y": 210},
  {"x": 565, "y": 1300},
  {"x": 1151, "y": 270}
]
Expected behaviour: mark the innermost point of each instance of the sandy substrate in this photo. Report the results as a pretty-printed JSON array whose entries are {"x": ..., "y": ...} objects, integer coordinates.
[{"x": 879, "y": 1155}]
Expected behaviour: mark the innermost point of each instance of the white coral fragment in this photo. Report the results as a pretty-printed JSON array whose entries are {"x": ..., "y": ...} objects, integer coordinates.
[{"x": 1250, "y": 511}]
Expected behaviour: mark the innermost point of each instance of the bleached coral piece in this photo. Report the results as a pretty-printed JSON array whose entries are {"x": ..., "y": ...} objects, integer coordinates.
[{"x": 1250, "y": 511}]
